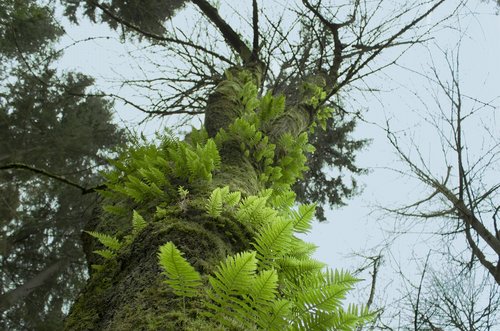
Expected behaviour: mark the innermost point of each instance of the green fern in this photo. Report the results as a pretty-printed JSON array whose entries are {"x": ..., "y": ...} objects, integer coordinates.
[
  {"x": 214, "y": 204},
  {"x": 273, "y": 241},
  {"x": 111, "y": 243},
  {"x": 233, "y": 198},
  {"x": 230, "y": 287},
  {"x": 105, "y": 253},
  {"x": 181, "y": 276},
  {"x": 303, "y": 217},
  {"x": 108, "y": 241},
  {"x": 138, "y": 223},
  {"x": 183, "y": 193},
  {"x": 220, "y": 197}
]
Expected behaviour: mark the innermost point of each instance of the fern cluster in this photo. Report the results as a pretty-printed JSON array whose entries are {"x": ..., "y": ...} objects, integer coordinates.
[
  {"x": 280, "y": 162},
  {"x": 276, "y": 286},
  {"x": 151, "y": 174},
  {"x": 112, "y": 244}
]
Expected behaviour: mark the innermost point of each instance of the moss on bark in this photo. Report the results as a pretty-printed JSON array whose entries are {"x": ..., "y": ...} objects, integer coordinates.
[{"x": 129, "y": 294}]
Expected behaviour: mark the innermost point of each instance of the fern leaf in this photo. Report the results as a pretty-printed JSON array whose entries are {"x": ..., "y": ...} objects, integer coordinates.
[
  {"x": 303, "y": 218},
  {"x": 234, "y": 276},
  {"x": 182, "y": 277},
  {"x": 108, "y": 241},
  {"x": 300, "y": 249},
  {"x": 231, "y": 284},
  {"x": 183, "y": 193},
  {"x": 97, "y": 267},
  {"x": 253, "y": 210},
  {"x": 295, "y": 268},
  {"x": 138, "y": 223},
  {"x": 283, "y": 201},
  {"x": 263, "y": 289},
  {"x": 105, "y": 253},
  {"x": 213, "y": 153},
  {"x": 233, "y": 198},
  {"x": 278, "y": 316},
  {"x": 155, "y": 190},
  {"x": 214, "y": 204},
  {"x": 136, "y": 195},
  {"x": 115, "y": 210},
  {"x": 273, "y": 241}
]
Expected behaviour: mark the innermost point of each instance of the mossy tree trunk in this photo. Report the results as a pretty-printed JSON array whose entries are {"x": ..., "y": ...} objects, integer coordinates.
[{"x": 129, "y": 292}]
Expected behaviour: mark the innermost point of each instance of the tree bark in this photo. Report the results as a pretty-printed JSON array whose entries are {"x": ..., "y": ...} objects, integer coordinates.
[{"x": 130, "y": 293}]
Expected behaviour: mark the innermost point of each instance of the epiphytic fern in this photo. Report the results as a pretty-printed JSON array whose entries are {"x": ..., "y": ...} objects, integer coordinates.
[{"x": 181, "y": 276}]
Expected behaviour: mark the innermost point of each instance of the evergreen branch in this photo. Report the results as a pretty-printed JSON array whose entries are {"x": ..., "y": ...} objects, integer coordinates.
[{"x": 62, "y": 179}]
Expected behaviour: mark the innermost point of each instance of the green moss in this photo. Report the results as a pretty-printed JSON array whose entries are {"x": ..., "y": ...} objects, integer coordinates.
[{"x": 129, "y": 294}]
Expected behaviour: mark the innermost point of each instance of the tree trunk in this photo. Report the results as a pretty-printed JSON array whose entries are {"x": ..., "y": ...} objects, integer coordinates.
[{"x": 130, "y": 293}]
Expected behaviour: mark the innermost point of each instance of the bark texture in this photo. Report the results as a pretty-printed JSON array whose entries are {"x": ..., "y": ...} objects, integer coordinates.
[{"x": 129, "y": 293}]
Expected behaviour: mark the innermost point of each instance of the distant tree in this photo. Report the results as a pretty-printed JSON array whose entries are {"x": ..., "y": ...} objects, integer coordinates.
[
  {"x": 467, "y": 193},
  {"x": 458, "y": 284},
  {"x": 48, "y": 123}
]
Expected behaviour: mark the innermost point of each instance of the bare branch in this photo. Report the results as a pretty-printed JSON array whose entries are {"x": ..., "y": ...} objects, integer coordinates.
[
  {"x": 231, "y": 37},
  {"x": 51, "y": 175}
]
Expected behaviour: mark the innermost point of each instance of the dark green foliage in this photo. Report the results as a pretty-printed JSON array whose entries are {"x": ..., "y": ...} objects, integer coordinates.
[
  {"x": 45, "y": 125},
  {"x": 148, "y": 16},
  {"x": 25, "y": 27},
  {"x": 334, "y": 159},
  {"x": 46, "y": 122}
]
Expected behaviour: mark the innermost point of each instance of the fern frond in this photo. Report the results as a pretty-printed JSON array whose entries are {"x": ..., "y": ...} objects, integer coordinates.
[
  {"x": 138, "y": 223},
  {"x": 182, "y": 277},
  {"x": 278, "y": 316},
  {"x": 183, "y": 193},
  {"x": 283, "y": 201},
  {"x": 214, "y": 204},
  {"x": 136, "y": 195},
  {"x": 108, "y": 241},
  {"x": 105, "y": 253},
  {"x": 300, "y": 249},
  {"x": 351, "y": 318},
  {"x": 253, "y": 210},
  {"x": 273, "y": 241},
  {"x": 264, "y": 288},
  {"x": 115, "y": 210},
  {"x": 303, "y": 217},
  {"x": 295, "y": 268},
  {"x": 231, "y": 284},
  {"x": 233, "y": 198},
  {"x": 234, "y": 276},
  {"x": 97, "y": 267},
  {"x": 193, "y": 163},
  {"x": 212, "y": 153}
]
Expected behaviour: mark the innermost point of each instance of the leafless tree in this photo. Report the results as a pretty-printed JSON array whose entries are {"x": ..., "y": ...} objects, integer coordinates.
[
  {"x": 467, "y": 196},
  {"x": 458, "y": 281}
]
